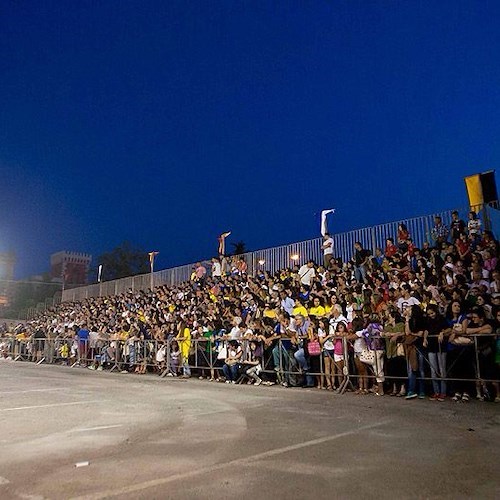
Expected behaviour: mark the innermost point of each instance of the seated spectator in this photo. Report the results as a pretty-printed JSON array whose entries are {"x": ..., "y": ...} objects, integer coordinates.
[
  {"x": 390, "y": 248},
  {"x": 232, "y": 363},
  {"x": 252, "y": 362}
]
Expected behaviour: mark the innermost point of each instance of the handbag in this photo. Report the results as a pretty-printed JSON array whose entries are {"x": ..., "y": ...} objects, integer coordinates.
[
  {"x": 400, "y": 350},
  {"x": 313, "y": 348},
  {"x": 367, "y": 356},
  {"x": 222, "y": 354}
]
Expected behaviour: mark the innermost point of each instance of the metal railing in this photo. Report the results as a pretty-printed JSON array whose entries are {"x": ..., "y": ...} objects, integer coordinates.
[
  {"x": 280, "y": 257},
  {"x": 276, "y": 362}
]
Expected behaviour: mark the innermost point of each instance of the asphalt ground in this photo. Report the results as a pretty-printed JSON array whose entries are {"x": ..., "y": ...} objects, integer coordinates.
[{"x": 150, "y": 438}]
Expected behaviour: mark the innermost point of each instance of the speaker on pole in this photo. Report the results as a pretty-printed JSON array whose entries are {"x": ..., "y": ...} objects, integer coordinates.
[{"x": 481, "y": 188}]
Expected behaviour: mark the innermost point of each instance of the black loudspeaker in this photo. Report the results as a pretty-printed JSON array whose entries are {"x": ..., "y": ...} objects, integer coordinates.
[{"x": 481, "y": 188}]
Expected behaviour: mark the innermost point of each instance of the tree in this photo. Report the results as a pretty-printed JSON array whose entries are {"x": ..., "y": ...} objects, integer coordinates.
[
  {"x": 124, "y": 260},
  {"x": 239, "y": 248}
]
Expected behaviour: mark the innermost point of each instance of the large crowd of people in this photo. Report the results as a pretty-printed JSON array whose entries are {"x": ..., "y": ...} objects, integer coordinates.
[{"x": 415, "y": 323}]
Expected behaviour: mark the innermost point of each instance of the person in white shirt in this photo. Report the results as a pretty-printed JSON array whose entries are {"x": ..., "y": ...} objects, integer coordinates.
[
  {"x": 287, "y": 303},
  {"x": 216, "y": 268},
  {"x": 307, "y": 273},
  {"x": 327, "y": 250},
  {"x": 406, "y": 300}
]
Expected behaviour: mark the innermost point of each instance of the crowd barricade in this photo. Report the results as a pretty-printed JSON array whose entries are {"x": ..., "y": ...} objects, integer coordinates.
[{"x": 465, "y": 364}]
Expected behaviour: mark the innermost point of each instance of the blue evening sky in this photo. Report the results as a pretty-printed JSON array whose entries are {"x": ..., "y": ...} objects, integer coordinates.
[{"x": 166, "y": 123}]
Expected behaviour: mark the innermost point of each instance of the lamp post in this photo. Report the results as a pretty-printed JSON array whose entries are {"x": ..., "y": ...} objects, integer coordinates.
[
  {"x": 152, "y": 256},
  {"x": 99, "y": 279}
]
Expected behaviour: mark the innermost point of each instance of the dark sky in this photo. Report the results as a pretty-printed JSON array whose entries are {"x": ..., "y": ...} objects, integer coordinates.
[{"x": 166, "y": 123}]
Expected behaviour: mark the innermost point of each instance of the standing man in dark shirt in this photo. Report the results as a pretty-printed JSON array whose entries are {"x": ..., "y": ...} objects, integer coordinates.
[
  {"x": 457, "y": 226},
  {"x": 361, "y": 257}
]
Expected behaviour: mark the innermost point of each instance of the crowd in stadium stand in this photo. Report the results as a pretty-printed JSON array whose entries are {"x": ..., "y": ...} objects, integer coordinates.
[{"x": 388, "y": 319}]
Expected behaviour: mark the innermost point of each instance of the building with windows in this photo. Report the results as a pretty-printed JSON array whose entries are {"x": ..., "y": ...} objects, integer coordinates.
[{"x": 72, "y": 268}]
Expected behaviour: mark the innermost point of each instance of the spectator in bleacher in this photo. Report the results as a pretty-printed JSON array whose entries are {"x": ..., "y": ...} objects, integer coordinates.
[
  {"x": 390, "y": 248},
  {"x": 232, "y": 363},
  {"x": 327, "y": 248},
  {"x": 307, "y": 273},
  {"x": 440, "y": 231},
  {"x": 474, "y": 229},
  {"x": 436, "y": 351},
  {"x": 457, "y": 226},
  {"x": 414, "y": 345},
  {"x": 403, "y": 238},
  {"x": 361, "y": 261}
]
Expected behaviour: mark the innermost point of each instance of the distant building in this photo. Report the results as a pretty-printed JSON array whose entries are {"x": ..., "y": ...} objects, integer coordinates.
[{"x": 71, "y": 268}]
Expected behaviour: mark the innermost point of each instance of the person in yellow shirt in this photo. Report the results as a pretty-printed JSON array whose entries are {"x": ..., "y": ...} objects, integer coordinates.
[
  {"x": 317, "y": 310},
  {"x": 299, "y": 309},
  {"x": 184, "y": 341}
]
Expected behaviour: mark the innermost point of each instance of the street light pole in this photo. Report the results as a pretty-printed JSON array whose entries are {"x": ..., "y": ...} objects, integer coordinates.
[{"x": 152, "y": 256}]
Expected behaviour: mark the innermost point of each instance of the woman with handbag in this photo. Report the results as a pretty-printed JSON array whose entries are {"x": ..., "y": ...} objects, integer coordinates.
[{"x": 313, "y": 347}]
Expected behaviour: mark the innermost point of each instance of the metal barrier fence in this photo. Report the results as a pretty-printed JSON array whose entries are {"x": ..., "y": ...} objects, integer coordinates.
[
  {"x": 281, "y": 257},
  {"x": 466, "y": 366}
]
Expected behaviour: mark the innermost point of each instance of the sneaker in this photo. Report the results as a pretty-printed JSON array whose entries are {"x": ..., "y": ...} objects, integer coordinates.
[
  {"x": 465, "y": 397},
  {"x": 233, "y": 381},
  {"x": 258, "y": 382},
  {"x": 91, "y": 367},
  {"x": 457, "y": 397},
  {"x": 169, "y": 374},
  {"x": 284, "y": 384},
  {"x": 228, "y": 381},
  {"x": 124, "y": 371},
  {"x": 497, "y": 399},
  {"x": 421, "y": 396},
  {"x": 434, "y": 397},
  {"x": 99, "y": 368},
  {"x": 441, "y": 397},
  {"x": 411, "y": 395}
]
